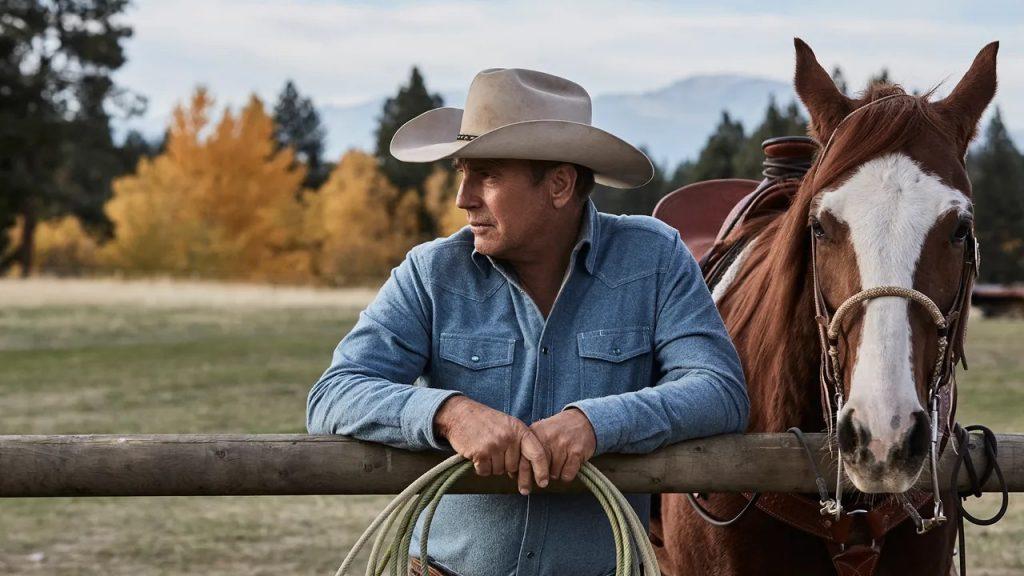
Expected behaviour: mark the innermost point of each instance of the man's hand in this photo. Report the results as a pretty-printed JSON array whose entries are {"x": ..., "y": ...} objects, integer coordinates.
[
  {"x": 496, "y": 442},
  {"x": 569, "y": 438}
]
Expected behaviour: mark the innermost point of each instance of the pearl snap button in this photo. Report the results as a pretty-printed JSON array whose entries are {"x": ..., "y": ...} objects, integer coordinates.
[
  {"x": 616, "y": 351},
  {"x": 475, "y": 358}
]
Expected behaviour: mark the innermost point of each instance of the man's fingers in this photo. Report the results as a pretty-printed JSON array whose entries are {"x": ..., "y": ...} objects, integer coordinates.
[
  {"x": 524, "y": 476},
  {"x": 482, "y": 465},
  {"x": 512, "y": 459},
  {"x": 497, "y": 464},
  {"x": 557, "y": 465},
  {"x": 572, "y": 467},
  {"x": 534, "y": 451}
]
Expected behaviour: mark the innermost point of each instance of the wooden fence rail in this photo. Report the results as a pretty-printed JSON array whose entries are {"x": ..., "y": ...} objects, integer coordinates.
[{"x": 209, "y": 465}]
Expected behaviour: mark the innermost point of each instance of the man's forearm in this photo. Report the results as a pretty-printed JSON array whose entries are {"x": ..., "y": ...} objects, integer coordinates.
[{"x": 700, "y": 403}]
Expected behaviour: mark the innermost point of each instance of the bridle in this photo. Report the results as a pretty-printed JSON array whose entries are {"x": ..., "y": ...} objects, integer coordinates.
[{"x": 950, "y": 328}]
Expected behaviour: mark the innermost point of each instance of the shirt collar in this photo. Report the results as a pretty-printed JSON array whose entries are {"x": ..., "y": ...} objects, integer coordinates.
[{"x": 588, "y": 237}]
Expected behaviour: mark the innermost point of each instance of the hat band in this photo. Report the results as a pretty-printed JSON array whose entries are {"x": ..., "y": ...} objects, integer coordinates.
[{"x": 465, "y": 137}]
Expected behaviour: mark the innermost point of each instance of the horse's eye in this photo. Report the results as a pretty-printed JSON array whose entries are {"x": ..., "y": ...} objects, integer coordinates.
[
  {"x": 817, "y": 229},
  {"x": 963, "y": 229}
]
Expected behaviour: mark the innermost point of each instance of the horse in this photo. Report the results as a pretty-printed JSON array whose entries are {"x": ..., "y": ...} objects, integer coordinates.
[{"x": 848, "y": 309}]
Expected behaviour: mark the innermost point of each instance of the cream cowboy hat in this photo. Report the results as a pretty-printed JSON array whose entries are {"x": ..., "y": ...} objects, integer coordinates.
[{"x": 525, "y": 115}]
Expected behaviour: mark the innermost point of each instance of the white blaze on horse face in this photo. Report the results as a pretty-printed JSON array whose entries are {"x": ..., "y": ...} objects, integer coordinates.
[{"x": 889, "y": 205}]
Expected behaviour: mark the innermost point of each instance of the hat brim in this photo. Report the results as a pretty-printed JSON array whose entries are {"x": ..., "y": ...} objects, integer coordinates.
[{"x": 433, "y": 136}]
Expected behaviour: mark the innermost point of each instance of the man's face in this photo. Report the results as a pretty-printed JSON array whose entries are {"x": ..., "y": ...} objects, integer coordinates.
[{"x": 507, "y": 211}]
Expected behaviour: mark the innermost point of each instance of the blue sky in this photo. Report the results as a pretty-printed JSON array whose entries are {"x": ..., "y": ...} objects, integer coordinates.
[{"x": 347, "y": 52}]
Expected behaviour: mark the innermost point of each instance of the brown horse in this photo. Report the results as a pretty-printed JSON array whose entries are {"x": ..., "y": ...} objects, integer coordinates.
[{"x": 887, "y": 204}]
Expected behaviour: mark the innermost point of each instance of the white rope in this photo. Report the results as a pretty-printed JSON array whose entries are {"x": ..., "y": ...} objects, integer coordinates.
[{"x": 631, "y": 541}]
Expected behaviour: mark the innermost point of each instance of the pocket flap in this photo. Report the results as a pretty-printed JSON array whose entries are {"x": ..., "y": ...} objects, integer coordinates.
[
  {"x": 477, "y": 352},
  {"x": 616, "y": 344}
]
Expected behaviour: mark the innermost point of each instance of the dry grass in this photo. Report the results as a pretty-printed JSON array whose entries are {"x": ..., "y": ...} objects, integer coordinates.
[{"x": 34, "y": 292}]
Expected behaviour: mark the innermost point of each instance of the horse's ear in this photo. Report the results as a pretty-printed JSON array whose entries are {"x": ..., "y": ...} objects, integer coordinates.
[
  {"x": 826, "y": 104},
  {"x": 965, "y": 104}
]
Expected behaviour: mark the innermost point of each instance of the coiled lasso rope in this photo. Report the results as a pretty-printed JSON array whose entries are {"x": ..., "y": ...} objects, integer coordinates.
[{"x": 631, "y": 541}]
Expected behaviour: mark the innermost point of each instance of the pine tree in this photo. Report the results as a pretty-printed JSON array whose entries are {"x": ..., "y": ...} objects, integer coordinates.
[
  {"x": 640, "y": 200},
  {"x": 56, "y": 155},
  {"x": 297, "y": 125},
  {"x": 412, "y": 100},
  {"x": 681, "y": 176},
  {"x": 717, "y": 159},
  {"x": 881, "y": 78},
  {"x": 749, "y": 160},
  {"x": 997, "y": 175},
  {"x": 840, "y": 80}
]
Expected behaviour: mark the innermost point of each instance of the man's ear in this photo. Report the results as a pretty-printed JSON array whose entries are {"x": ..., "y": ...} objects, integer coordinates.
[{"x": 562, "y": 184}]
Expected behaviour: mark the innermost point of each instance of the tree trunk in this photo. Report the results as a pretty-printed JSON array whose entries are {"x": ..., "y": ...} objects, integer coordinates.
[{"x": 26, "y": 248}]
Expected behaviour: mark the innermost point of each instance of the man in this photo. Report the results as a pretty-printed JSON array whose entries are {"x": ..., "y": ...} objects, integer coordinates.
[{"x": 542, "y": 334}]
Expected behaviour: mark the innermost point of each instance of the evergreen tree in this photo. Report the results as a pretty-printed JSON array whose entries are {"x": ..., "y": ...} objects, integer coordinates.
[
  {"x": 56, "y": 154},
  {"x": 640, "y": 200},
  {"x": 297, "y": 125},
  {"x": 997, "y": 175},
  {"x": 682, "y": 176},
  {"x": 840, "y": 80},
  {"x": 411, "y": 101},
  {"x": 718, "y": 158},
  {"x": 881, "y": 78},
  {"x": 750, "y": 158}
]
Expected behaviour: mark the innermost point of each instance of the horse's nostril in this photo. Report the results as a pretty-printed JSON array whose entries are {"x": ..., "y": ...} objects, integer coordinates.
[
  {"x": 919, "y": 435},
  {"x": 847, "y": 434}
]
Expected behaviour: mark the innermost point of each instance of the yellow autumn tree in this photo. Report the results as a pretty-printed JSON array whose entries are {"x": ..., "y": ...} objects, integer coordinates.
[
  {"x": 222, "y": 201},
  {"x": 361, "y": 225},
  {"x": 61, "y": 246},
  {"x": 441, "y": 187}
]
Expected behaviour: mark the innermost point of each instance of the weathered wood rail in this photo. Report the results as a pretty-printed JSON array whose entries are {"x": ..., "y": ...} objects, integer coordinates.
[{"x": 209, "y": 465}]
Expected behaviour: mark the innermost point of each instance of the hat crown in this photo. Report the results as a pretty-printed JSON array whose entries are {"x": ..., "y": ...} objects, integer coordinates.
[{"x": 502, "y": 96}]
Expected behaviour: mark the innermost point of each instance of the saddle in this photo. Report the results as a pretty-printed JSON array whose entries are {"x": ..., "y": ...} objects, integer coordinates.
[{"x": 707, "y": 213}]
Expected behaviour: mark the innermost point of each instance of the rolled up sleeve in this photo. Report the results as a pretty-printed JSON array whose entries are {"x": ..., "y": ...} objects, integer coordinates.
[
  {"x": 369, "y": 390},
  {"x": 700, "y": 391}
]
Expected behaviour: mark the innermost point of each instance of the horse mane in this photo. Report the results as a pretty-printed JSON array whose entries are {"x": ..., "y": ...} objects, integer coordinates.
[{"x": 769, "y": 307}]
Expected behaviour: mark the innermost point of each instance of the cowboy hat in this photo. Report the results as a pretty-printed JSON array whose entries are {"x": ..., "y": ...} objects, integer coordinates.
[{"x": 526, "y": 115}]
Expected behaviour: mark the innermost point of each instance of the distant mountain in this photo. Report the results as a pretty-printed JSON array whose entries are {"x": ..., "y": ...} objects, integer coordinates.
[{"x": 672, "y": 122}]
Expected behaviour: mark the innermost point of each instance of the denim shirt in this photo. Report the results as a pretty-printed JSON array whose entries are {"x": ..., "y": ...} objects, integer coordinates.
[{"x": 633, "y": 340}]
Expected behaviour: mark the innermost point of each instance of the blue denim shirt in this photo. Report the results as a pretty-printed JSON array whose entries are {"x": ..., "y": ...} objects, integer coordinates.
[{"x": 633, "y": 340}]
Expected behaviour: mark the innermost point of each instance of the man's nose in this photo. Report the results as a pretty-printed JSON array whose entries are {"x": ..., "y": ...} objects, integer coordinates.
[{"x": 466, "y": 198}]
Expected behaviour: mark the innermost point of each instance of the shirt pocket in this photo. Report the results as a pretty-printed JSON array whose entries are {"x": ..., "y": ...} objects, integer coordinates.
[
  {"x": 614, "y": 360},
  {"x": 478, "y": 366}
]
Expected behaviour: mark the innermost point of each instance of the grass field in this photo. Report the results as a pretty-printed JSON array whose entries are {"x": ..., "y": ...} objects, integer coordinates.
[{"x": 234, "y": 359}]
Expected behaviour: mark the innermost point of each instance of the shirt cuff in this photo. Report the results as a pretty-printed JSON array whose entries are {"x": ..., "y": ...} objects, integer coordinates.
[
  {"x": 604, "y": 418},
  {"x": 417, "y": 418}
]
